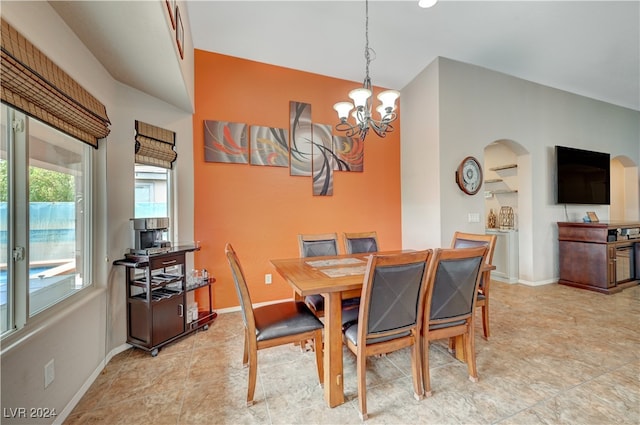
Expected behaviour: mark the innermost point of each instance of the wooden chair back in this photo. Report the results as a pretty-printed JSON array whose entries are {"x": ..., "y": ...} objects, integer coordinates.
[
  {"x": 317, "y": 245},
  {"x": 242, "y": 289},
  {"x": 355, "y": 243},
  {"x": 468, "y": 240}
]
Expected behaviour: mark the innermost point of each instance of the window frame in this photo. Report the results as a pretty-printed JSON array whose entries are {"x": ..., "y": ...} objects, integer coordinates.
[{"x": 19, "y": 318}]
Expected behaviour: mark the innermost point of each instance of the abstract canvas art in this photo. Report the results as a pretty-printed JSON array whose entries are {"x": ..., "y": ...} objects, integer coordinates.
[
  {"x": 323, "y": 160},
  {"x": 301, "y": 131},
  {"x": 349, "y": 152},
  {"x": 269, "y": 146},
  {"x": 307, "y": 148},
  {"x": 226, "y": 142}
]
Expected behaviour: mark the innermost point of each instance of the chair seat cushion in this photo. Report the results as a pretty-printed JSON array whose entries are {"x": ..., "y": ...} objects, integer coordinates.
[
  {"x": 316, "y": 301},
  {"x": 284, "y": 319},
  {"x": 351, "y": 333},
  {"x": 349, "y": 317},
  {"x": 446, "y": 325}
]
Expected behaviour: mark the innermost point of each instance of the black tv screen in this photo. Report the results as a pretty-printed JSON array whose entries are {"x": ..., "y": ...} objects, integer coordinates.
[{"x": 582, "y": 176}]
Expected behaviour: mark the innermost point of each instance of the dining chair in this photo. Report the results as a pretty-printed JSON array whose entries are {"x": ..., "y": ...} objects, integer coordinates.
[
  {"x": 318, "y": 245},
  {"x": 356, "y": 243},
  {"x": 454, "y": 276},
  {"x": 467, "y": 240},
  {"x": 390, "y": 314},
  {"x": 272, "y": 325}
]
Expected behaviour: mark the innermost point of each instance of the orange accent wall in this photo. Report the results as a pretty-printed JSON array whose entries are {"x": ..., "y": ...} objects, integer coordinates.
[{"x": 260, "y": 210}]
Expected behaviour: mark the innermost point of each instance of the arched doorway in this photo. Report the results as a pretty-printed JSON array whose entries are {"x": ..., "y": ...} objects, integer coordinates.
[{"x": 506, "y": 168}]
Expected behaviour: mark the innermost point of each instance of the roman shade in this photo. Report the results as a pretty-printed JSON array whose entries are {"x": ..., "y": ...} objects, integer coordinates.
[
  {"x": 32, "y": 83},
  {"x": 154, "y": 145}
]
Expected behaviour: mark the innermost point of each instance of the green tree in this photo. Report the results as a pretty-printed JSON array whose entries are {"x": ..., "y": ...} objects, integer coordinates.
[
  {"x": 50, "y": 186},
  {"x": 44, "y": 185},
  {"x": 4, "y": 192}
]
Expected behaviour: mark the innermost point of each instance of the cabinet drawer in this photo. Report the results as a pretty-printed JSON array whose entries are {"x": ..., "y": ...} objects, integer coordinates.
[
  {"x": 583, "y": 234},
  {"x": 168, "y": 261}
]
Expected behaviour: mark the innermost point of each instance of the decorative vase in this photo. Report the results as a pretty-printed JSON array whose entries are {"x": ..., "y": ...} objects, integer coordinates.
[
  {"x": 506, "y": 218},
  {"x": 491, "y": 220}
]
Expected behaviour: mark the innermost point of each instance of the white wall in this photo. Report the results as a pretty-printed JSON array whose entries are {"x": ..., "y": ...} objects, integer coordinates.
[
  {"x": 478, "y": 106},
  {"x": 420, "y": 159},
  {"x": 81, "y": 332}
]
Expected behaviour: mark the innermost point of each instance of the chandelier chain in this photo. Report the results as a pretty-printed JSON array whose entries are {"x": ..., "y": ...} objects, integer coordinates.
[{"x": 367, "y": 54}]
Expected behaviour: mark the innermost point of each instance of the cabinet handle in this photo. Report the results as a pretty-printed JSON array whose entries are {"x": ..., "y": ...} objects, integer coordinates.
[
  {"x": 166, "y": 263},
  {"x": 181, "y": 314}
]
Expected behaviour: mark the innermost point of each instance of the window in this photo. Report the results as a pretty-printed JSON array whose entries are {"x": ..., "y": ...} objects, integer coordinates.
[
  {"x": 45, "y": 218},
  {"x": 152, "y": 194}
]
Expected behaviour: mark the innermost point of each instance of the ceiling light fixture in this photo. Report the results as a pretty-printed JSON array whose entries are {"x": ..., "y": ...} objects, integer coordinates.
[
  {"x": 362, "y": 100},
  {"x": 427, "y": 3}
]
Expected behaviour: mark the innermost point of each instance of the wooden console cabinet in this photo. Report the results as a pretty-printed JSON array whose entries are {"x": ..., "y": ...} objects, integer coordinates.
[
  {"x": 157, "y": 300},
  {"x": 601, "y": 257}
]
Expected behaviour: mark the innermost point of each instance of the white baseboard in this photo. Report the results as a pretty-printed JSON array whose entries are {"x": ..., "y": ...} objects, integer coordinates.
[
  {"x": 233, "y": 309},
  {"x": 62, "y": 416},
  {"x": 538, "y": 282}
]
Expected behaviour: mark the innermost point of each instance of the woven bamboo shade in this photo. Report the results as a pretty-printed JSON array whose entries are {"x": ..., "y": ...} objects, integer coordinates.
[
  {"x": 154, "y": 145},
  {"x": 32, "y": 83}
]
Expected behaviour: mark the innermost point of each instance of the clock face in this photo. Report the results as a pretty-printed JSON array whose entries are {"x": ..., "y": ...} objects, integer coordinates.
[{"x": 469, "y": 176}]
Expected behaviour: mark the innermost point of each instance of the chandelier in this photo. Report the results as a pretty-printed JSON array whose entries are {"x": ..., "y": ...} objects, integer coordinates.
[{"x": 362, "y": 101}]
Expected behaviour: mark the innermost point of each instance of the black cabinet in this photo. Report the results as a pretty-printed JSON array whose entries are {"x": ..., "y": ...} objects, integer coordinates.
[{"x": 157, "y": 299}]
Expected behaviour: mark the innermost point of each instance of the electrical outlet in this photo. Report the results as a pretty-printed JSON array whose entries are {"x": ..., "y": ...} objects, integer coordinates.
[
  {"x": 49, "y": 373},
  {"x": 267, "y": 278}
]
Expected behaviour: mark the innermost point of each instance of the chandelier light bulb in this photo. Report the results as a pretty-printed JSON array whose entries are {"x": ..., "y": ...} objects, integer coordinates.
[
  {"x": 388, "y": 98},
  {"x": 343, "y": 109},
  {"x": 382, "y": 111},
  {"x": 360, "y": 96}
]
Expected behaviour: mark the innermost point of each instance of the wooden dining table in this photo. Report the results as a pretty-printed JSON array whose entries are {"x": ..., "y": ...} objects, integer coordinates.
[{"x": 335, "y": 278}]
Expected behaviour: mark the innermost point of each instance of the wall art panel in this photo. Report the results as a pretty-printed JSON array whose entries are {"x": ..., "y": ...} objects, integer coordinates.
[
  {"x": 301, "y": 138},
  {"x": 226, "y": 142},
  {"x": 349, "y": 152},
  {"x": 324, "y": 160},
  {"x": 269, "y": 146}
]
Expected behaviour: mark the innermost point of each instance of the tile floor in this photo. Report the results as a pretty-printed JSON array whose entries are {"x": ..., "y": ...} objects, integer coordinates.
[{"x": 557, "y": 355}]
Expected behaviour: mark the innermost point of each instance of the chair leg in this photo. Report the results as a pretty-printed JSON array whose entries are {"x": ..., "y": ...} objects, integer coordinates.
[
  {"x": 317, "y": 346},
  {"x": 253, "y": 372},
  {"x": 470, "y": 353},
  {"x": 452, "y": 345},
  {"x": 416, "y": 372},
  {"x": 245, "y": 353},
  {"x": 485, "y": 319},
  {"x": 426, "y": 379},
  {"x": 361, "y": 363}
]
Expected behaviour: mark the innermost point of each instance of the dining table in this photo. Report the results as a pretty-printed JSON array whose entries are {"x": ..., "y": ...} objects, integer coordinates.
[{"x": 336, "y": 278}]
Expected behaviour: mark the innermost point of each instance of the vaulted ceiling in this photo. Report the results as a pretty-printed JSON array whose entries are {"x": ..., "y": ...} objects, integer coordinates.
[{"x": 591, "y": 48}]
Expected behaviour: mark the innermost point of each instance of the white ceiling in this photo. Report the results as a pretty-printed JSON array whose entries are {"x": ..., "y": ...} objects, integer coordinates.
[{"x": 591, "y": 48}]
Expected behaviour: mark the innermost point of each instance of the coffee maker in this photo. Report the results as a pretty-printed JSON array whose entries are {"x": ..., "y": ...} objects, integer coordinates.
[{"x": 150, "y": 236}]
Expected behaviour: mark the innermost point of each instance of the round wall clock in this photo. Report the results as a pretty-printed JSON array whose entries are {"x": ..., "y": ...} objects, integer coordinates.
[{"x": 469, "y": 175}]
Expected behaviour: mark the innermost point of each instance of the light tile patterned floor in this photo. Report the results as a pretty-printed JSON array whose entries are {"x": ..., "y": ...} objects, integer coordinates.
[{"x": 557, "y": 355}]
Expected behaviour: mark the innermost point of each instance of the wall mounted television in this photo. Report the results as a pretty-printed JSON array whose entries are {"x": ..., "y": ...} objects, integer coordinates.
[{"x": 582, "y": 176}]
